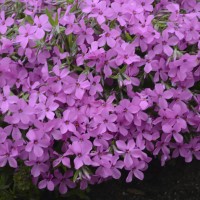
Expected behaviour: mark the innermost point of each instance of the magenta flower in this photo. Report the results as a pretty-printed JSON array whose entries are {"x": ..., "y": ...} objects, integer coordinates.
[
  {"x": 43, "y": 25},
  {"x": 39, "y": 165},
  {"x": 37, "y": 142},
  {"x": 86, "y": 34},
  {"x": 21, "y": 112},
  {"x": 162, "y": 95},
  {"x": 81, "y": 151},
  {"x": 175, "y": 119},
  {"x": 192, "y": 29},
  {"x": 110, "y": 168},
  {"x": 180, "y": 149},
  {"x": 126, "y": 54},
  {"x": 108, "y": 62},
  {"x": 164, "y": 45},
  {"x": 69, "y": 117},
  {"x": 129, "y": 151},
  {"x": 101, "y": 138},
  {"x": 175, "y": 30},
  {"x": 5, "y": 22},
  {"x": 47, "y": 109},
  {"x": 26, "y": 33},
  {"x": 64, "y": 181},
  {"x": 78, "y": 87},
  {"x": 7, "y": 155},
  {"x": 127, "y": 109},
  {"x": 47, "y": 182},
  {"x": 88, "y": 6},
  {"x": 6, "y": 99},
  {"x": 108, "y": 37},
  {"x": 120, "y": 13},
  {"x": 175, "y": 11},
  {"x": 3, "y": 135},
  {"x": 95, "y": 85},
  {"x": 146, "y": 5},
  {"x": 106, "y": 121},
  {"x": 101, "y": 12},
  {"x": 137, "y": 170},
  {"x": 150, "y": 62},
  {"x": 62, "y": 159},
  {"x": 181, "y": 68},
  {"x": 194, "y": 150},
  {"x": 68, "y": 20}
]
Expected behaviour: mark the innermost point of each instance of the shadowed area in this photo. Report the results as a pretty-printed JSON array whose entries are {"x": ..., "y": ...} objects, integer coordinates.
[{"x": 177, "y": 180}]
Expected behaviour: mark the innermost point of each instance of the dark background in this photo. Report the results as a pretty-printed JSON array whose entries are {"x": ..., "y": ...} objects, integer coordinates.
[{"x": 177, "y": 180}]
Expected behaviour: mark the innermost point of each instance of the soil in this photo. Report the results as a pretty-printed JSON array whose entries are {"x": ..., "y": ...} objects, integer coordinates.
[{"x": 175, "y": 181}]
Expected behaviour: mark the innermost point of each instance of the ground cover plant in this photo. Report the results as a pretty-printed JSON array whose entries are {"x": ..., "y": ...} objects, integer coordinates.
[{"x": 91, "y": 88}]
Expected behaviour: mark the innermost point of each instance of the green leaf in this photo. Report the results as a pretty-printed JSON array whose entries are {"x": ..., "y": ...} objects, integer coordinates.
[
  {"x": 56, "y": 20},
  {"x": 57, "y": 24},
  {"x": 128, "y": 37},
  {"x": 25, "y": 96},
  {"x": 29, "y": 19},
  {"x": 87, "y": 70},
  {"x": 115, "y": 76},
  {"x": 123, "y": 69},
  {"x": 76, "y": 174},
  {"x": 74, "y": 8},
  {"x": 70, "y": 1},
  {"x": 69, "y": 38},
  {"x": 112, "y": 24},
  {"x": 62, "y": 28},
  {"x": 125, "y": 76},
  {"x": 74, "y": 49},
  {"x": 51, "y": 21}
]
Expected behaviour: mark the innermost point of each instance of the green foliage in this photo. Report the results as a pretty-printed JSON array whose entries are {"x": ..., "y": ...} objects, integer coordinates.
[
  {"x": 22, "y": 179},
  {"x": 17, "y": 185}
]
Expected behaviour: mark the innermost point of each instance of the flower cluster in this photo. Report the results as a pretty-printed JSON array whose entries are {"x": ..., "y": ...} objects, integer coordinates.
[{"x": 89, "y": 88}]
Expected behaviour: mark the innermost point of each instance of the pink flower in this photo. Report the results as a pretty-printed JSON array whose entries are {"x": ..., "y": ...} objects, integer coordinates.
[
  {"x": 162, "y": 95},
  {"x": 46, "y": 109},
  {"x": 146, "y": 4},
  {"x": 129, "y": 151},
  {"x": 101, "y": 12},
  {"x": 137, "y": 170},
  {"x": 7, "y": 155},
  {"x": 120, "y": 13},
  {"x": 127, "y": 109},
  {"x": 39, "y": 164},
  {"x": 21, "y": 112},
  {"x": 79, "y": 86},
  {"x": 64, "y": 181},
  {"x": 62, "y": 159},
  {"x": 43, "y": 25},
  {"x": 109, "y": 36},
  {"x": 37, "y": 141},
  {"x": 164, "y": 44},
  {"x": 26, "y": 33},
  {"x": 6, "y": 99},
  {"x": 81, "y": 151},
  {"x": 69, "y": 117},
  {"x": 126, "y": 54},
  {"x": 47, "y": 182},
  {"x": 106, "y": 121},
  {"x": 5, "y": 22},
  {"x": 95, "y": 84},
  {"x": 85, "y": 34}
]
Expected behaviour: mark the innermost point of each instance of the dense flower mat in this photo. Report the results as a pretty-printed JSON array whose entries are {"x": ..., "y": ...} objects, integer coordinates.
[{"x": 91, "y": 88}]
